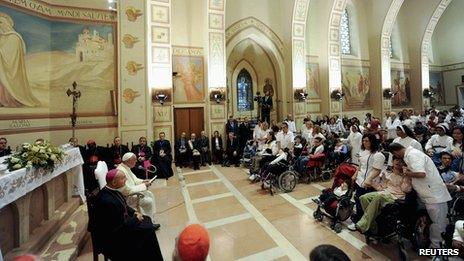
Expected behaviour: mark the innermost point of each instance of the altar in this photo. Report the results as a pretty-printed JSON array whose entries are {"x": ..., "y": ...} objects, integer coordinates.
[{"x": 34, "y": 202}]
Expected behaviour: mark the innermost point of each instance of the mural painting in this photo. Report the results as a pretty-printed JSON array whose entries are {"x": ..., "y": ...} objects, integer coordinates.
[
  {"x": 189, "y": 81},
  {"x": 436, "y": 86},
  {"x": 41, "y": 58},
  {"x": 356, "y": 87},
  {"x": 401, "y": 87},
  {"x": 313, "y": 84}
]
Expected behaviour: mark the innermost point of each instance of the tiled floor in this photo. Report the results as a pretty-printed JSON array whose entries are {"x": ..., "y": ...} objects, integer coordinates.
[{"x": 246, "y": 223}]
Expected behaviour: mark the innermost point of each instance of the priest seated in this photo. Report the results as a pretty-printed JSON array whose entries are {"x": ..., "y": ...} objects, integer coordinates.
[
  {"x": 162, "y": 157},
  {"x": 121, "y": 232},
  {"x": 116, "y": 151},
  {"x": 136, "y": 185}
]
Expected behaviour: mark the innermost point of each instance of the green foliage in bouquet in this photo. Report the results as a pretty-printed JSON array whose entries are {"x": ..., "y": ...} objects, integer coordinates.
[{"x": 37, "y": 155}]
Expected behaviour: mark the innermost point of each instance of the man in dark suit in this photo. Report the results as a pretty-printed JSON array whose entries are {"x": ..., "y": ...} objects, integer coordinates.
[
  {"x": 216, "y": 147},
  {"x": 143, "y": 153},
  {"x": 266, "y": 107},
  {"x": 162, "y": 157},
  {"x": 121, "y": 232},
  {"x": 194, "y": 151},
  {"x": 232, "y": 150},
  {"x": 116, "y": 151},
  {"x": 4, "y": 150},
  {"x": 204, "y": 149},
  {"x": 181, "y": 151},
  {"x": 245, "y": 133},
  {"x": 232, "y": 126}
]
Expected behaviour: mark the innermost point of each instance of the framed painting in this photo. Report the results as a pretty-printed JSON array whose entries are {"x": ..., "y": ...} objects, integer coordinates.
[
  {"x": 401, "y": 87},
  {"x": 313, "y": 83},
  {"x": 436, "y": 86},
  {"x": 356, "y": 87},
  {"x": 189, "y": 86}
]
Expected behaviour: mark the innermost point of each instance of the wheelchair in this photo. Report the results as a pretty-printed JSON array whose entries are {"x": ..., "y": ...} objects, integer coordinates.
[
  {"x": 402, "y": 219},
  {"x": 275, "y": 177}
]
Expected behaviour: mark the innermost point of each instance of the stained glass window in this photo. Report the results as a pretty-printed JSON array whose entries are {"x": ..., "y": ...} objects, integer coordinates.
[
  {"x": 244, "y": 91},
  {"x": 345, "y": 33}
]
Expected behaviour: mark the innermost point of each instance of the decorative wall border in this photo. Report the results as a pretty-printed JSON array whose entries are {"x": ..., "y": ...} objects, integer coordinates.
[
  {"x": 187, "y": 51},
  {"x": 248, "y": 22},
  {"x": 335, "y": 78},
  {"x": 427, "y": 41},
  {"x": 300, "y": 15}
]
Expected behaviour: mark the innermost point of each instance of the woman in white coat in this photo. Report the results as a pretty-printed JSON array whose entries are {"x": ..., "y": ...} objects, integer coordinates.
[{"x": 355, "y": 142}]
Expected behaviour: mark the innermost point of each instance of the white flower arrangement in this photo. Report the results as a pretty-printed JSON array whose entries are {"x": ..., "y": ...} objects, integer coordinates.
[{"x": 38, "y": 155}]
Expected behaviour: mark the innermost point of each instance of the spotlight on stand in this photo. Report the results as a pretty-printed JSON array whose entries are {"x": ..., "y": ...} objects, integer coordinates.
[
  {"x": 388, "y": 94},
  {"x": 258, "y": 98},
  {"x": 337, "y": 95}
]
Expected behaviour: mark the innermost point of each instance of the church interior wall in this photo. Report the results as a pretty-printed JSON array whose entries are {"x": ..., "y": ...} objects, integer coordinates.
[
  {"x": 447, "y": 54},
  {"x": 55, "y": 56},
  {"x": 414, "y": 16}
]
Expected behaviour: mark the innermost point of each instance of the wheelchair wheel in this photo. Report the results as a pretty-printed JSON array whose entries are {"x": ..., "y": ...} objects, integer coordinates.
[
  {"x": 326, "y": 175},
  {"x": 318, "y": 216},
  {"x": 287, "y": 181},
  {"x": 337, "y": 227},
  {"x": 421, "y": 237}
]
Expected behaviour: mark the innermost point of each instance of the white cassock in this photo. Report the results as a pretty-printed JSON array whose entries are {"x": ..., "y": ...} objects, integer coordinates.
[
  {"x": 355, "y": 141},
  {"x": 136, "y": 185}
]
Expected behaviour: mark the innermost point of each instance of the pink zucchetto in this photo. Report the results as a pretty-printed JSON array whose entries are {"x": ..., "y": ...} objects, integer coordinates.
[{"x": 111, "y": 175}]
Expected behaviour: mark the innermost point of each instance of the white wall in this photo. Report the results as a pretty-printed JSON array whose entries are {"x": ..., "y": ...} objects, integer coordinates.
[{"x": 188, "y": 22}]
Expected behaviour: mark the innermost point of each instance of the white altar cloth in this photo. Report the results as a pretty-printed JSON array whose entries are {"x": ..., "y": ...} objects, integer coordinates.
[{"x": 18, "y": 183}]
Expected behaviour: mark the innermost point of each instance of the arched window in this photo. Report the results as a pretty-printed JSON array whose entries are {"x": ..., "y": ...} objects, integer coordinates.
[
  {"x": 244, "y": 91},
  {"x": 345, "y": 37}
]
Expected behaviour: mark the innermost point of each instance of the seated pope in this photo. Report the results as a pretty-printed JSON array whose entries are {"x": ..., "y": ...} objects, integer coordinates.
[
  {"x": 122, "y": 233},
  {"x": 136, "y": 185}
]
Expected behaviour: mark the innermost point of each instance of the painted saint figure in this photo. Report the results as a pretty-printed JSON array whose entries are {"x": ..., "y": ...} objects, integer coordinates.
[{"x": 14, "y": 84}]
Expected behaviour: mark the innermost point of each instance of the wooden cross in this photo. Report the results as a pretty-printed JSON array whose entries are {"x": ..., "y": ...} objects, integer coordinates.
[{"x": 76, "y": 95}]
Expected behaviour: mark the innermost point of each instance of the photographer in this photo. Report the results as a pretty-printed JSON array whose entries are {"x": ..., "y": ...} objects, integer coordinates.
[{"x": 266, "y": 107}]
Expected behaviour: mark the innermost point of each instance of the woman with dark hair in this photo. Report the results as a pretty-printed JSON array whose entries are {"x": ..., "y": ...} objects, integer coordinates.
[
  {"x": 371, "y": 162},
  {"x": 407, "y": 138},
  {"x": 457, "y": 149},
  {"x": 269, "y": 152}
]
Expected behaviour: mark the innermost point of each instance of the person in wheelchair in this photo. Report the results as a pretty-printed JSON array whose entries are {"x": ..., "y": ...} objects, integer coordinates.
[
  {"x": 449, "y": 176},
  {"x": 278, "y": 165},
  {"x": 318, "y": 148},
  {"x": 458, "y": 237},
  {"x": 267, "y": 154},
  {"x": 394, "y": 186},
  {"x": 340, "y": 152}
]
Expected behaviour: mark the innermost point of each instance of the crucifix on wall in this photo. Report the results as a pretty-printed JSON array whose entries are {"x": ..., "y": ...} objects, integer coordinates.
[{"x": 76, "y": 94}]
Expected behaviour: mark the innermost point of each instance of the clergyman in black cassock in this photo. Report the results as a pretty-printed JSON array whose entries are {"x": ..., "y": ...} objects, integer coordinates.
[
  {"x": 122, "y": 233},
  {"x": 162, "y": 157}
]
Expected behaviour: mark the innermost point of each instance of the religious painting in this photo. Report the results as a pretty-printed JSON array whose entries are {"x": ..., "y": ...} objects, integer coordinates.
[
  {"x": 189, "y": 82},
  {"x": 436, "y": 86},
  {"x": 401, "y": 87},
  {"x": 41, "y": 58},
  {"x": 313, "y": 83},
  {"x": 356, "y": 87}
]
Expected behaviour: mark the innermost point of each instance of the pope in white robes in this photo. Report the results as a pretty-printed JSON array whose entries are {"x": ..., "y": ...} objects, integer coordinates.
[{"x": 136, "y": 185}]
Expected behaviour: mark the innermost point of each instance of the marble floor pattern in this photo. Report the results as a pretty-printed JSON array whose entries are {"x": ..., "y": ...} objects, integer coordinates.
[{"x": 246, "y": 223}]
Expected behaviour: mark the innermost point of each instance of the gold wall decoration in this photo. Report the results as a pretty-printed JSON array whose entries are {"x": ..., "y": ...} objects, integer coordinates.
[
  {"x": 132, "y": 13},
  {"x": 129, "y": 40},
  {"x": 129, "y": 95},
  {"x": 132, "y": 67}
]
